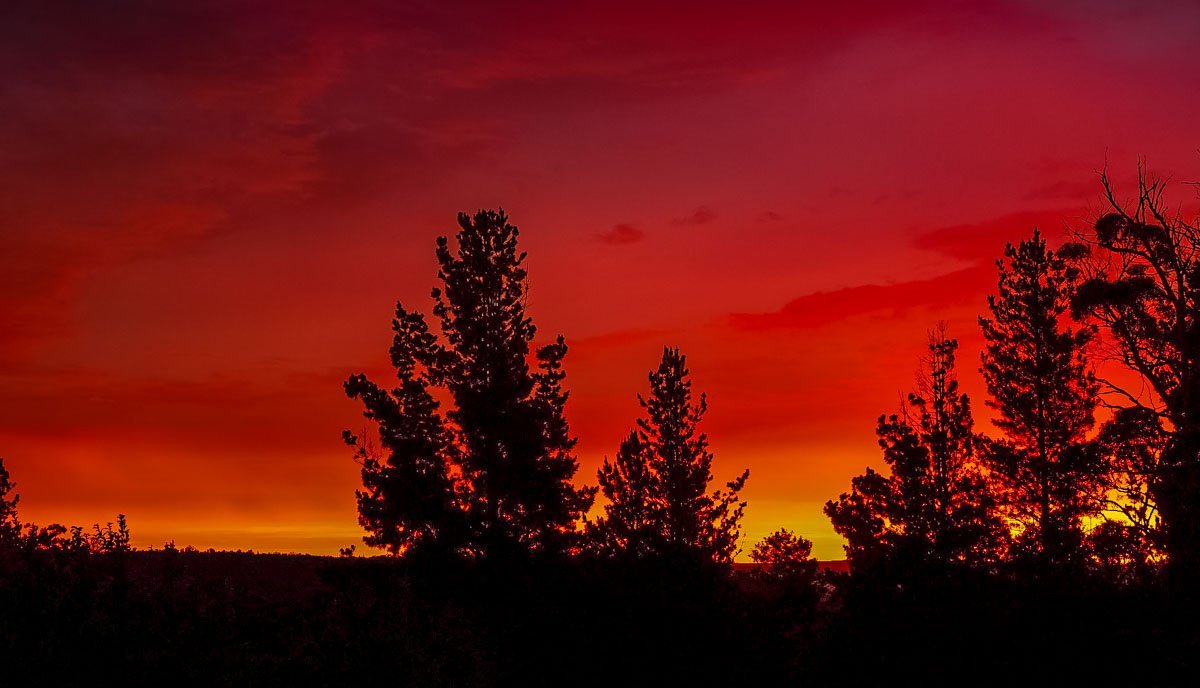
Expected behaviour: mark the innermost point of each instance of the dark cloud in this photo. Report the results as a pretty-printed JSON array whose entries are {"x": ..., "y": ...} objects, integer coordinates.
[
  {"x": 701, "y": 216},
  {"x": 622, "y": 234}
]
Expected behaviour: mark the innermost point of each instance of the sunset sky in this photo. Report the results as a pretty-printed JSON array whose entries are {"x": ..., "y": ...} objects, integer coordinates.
[{"x": 208, "y": 211}]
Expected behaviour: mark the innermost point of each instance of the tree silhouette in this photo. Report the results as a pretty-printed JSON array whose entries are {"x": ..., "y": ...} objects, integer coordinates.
[
  {"x": 788, "y": 576},
  {"x": 934, "y": 508},
  {"x": 868, "y": 517},
  {"x": 785, "y": 555},
  {"x": 633, "y": 514},
  {"x": 10, "y": 527},
  {"x": 110, "y": 539},
  {"x": 1132, "y": 442},
  {"x": 1142, "y": 263},
  {"x": 1037, "y": 373},
  {"x": 409, "y": 497},
  {"x": 657, "y": 486},
  {"x": 496, "y": 471}
]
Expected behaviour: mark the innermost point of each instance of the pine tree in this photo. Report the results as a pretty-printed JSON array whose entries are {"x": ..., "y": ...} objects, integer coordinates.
[
  {"x": 658, "y": 484},
  {"x": 632, "y": 514},
  {"x": 10, "y": 527},
  {"x": 934, "y": 508},
  {"x": 496, "y": 470},
  {"x": 409, "y": 497},
  {"x": 864, "y": 517},
  {"x": 1036, "y": 371}
]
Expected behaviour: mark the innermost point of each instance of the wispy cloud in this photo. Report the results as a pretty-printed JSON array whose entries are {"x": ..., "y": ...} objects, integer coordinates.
[
  {"x": 978, "y": 244},
  {"x": 622, "y": 234},
  {"x": 700, "y": 216}
]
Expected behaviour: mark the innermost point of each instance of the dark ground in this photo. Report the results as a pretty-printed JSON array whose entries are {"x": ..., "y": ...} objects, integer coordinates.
[{"x": 225, "y": 618}]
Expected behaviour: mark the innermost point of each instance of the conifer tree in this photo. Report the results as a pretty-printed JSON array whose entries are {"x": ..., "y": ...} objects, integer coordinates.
[
  {"x": 865, "y": 516},
  {"x": 1036, "y": 371},
  {"x": 409, "y": 497},
  {"x": 934, "y": 508},
  {"x": 632, "y": 515},
  {"x": 657, "y": 486},
  {"x": 10, "y": 527},
  {"x": 496, "y": 469}
]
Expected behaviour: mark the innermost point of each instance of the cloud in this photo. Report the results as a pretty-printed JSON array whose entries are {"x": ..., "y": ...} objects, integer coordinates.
[
  {"x": 622, "y": 234},
  {"x": 768, "y": 216},
  {"x": 978, "y": 244},
  {"x": 985, "y": 240},
  {"x": 702, "y": 215},
  {"x": 826, "y": 307}
]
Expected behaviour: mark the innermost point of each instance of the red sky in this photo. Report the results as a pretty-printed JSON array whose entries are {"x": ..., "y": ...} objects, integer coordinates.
[{"x": 208, "y": 210}]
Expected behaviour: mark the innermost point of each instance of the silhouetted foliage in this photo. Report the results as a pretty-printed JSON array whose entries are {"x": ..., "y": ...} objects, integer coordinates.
[
  {"x": 409, "y": 498},
  {"x": 494, "y": 476},
  {"x": 15, "y": 535},
  {"x": 934, "y": 508},
  {"x": 1122, "y": 553},
  {"x": 657, "y": 486},
  {"x": 10, "y": 527},
  {"x": 110, "y": 539},
  {"x": 1132, "y": 442},
  {"x": 784, "y": 555},
  {"x": 632, "y": 521},
  {"x": 1142, "y": 263},
  {"x": 1045, "y": 395}
]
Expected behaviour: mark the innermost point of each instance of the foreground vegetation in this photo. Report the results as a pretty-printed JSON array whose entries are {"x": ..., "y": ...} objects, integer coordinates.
[{"x": 228, "y": 618}]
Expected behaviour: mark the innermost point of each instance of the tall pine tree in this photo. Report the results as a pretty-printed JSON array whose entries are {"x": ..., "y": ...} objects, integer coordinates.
[
  {"x": 496, "y": 470},
  {"x": 1037, "y": 373},
  {"x": 934, "y": 508},
  {"x": 657, "y": 486}
]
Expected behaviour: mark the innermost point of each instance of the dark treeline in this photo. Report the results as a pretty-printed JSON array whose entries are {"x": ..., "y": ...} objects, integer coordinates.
[{"x": 1064, "y": 547}]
